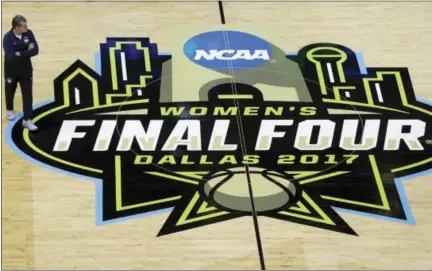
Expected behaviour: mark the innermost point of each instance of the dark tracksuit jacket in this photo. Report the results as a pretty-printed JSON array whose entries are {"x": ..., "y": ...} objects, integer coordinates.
[{"x": 19, "y": 69}]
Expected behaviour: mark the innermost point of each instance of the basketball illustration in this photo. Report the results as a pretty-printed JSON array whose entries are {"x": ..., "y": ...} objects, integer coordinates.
[{"x": 230, "y": 189}]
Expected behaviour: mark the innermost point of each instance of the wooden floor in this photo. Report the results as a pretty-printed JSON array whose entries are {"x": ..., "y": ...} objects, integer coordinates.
[{"x": 49, "y": 218}]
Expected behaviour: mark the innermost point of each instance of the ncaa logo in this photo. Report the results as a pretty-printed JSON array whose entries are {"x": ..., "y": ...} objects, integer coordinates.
[{"x": 227, "y": 50}]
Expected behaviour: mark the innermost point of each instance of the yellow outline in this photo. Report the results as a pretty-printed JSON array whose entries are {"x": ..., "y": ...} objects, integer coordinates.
[
  {"x": 205, "y": 208},
  {"x": 300, "y": 174},
  {"x": 142, "y": 84},
  {"x": 184, "y": 217},
  {"x": 318, "y": 64},
  {"x": 363, "y": 105},
  {"x": 325, "y": 176},
  {"x": 193, "y": 174},
  {"x": 401, "y": 88},
  {"x": 132, "y": 112},
  {"x": 118, "y": 191},
  {"x": 324, "y": 218},
  {"x": 49, "y": 156},
  {"x": 66, "y": 103},
  {"x": 385, "y": 204},
  {"x": 147, "y": 62},
  {"x": 109, "y": 105},
  {"x": 95, "y": 87},
  {"x": 429, "y": 160},
  {"x": 113, "y": 65},
  {"x": 300, "y": 208},
  {"x": 235, "y": 96},
  {"x": 405, "y": 102},
  {"x": 337, "y": 93},
  {"x": 171, "y": 177}
]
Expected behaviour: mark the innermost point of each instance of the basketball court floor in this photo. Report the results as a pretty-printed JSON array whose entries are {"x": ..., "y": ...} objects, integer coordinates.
[{"x": 55, "y": 218}]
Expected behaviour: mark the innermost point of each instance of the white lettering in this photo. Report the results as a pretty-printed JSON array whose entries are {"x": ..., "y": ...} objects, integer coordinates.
[
  {"x": 267, "y": 133},
  {"x": 67, "y": 133},
  {"x": 394, "y": 134},
  {"x": 231, "y": 55}
]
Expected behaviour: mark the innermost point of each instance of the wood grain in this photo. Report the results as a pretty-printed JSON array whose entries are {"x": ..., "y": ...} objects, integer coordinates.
[{"x": 49, "y": 218}]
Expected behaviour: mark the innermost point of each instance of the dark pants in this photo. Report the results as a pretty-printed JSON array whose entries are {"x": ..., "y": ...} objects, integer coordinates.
[{"x": 26, "y": 82}]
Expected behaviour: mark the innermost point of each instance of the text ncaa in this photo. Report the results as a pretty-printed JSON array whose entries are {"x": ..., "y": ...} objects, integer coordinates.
[{"x": 228, "y": 50}]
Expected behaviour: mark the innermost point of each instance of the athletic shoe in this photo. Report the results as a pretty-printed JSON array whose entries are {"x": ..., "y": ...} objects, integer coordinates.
[
  {"x": 10, "y": 115},
  {"x": 29, "y": 125}
]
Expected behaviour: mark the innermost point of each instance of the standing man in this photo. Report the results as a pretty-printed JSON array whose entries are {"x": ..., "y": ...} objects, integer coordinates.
[{"x": 20, "y": 45}]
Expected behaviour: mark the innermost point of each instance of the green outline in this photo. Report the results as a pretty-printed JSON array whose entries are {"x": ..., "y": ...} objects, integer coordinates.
[
  {"x": 113, "y": 62},
  {"x": 118, "y": 191},
  {"x": 184, "y": 217},
  {"x": 324, "y": 218},
  {"x": 66, "y": 103},
  {"x": 385, "y": 204}
]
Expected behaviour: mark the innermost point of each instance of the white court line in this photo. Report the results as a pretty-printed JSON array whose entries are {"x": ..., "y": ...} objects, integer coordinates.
[
  {"x": 77, "y": 96},
  {"x": 330, "y": 72},
  {"x": 379, "y": 93},
  {"x": 123, "y": 65}
]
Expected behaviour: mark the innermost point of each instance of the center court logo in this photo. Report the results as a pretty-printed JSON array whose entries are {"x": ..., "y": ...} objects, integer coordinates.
[
  {"x": 228, "y": 50},
  {"x": 342, "y": 144}
]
